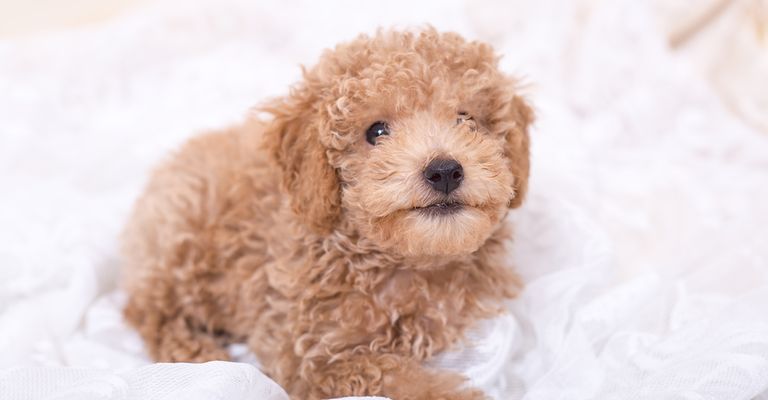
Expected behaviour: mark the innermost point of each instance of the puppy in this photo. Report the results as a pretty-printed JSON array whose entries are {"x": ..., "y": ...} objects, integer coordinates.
[{"x": 352, "y": 235}]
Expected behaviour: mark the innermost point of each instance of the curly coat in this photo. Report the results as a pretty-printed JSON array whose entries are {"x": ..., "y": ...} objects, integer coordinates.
[{"x": 297, "y": 236}]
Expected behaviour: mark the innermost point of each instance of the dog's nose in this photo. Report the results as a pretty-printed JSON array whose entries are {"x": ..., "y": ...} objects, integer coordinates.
[{"x": 444, "y": 175}]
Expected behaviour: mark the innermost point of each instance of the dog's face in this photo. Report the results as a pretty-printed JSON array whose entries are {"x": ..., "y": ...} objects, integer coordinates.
[{"x": 416, "y": 141}]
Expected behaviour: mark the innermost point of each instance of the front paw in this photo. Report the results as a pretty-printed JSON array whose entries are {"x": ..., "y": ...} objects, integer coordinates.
[
  {"x": 465, "y": 394},
  {"x": 438, "y": 393}
]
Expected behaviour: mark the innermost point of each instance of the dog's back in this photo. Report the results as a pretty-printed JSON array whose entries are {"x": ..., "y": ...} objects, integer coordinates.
[{"x": 203, "y": 211}]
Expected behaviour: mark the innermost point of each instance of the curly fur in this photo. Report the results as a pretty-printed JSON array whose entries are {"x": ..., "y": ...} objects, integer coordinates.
[{"x": 298, "y": 237}]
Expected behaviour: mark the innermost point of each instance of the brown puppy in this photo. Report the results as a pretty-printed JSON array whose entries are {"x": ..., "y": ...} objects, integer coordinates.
[{"x": 352, "y": 236}]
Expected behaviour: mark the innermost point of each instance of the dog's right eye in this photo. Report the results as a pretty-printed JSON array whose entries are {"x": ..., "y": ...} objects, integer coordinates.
[{"x": 378, "y": 128}]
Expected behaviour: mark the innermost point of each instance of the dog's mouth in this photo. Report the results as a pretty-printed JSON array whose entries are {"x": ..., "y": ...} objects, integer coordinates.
[{"x": 441, "y": 208}]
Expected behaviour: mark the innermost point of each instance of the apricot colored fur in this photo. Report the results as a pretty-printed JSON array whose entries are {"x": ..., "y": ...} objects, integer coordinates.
[{"x": 297, "y": 236}]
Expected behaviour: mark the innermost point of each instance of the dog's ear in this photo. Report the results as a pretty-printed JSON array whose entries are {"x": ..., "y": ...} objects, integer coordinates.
[
  {"x": 514, "y": 118},
  {"x": 292, "y": 140}
]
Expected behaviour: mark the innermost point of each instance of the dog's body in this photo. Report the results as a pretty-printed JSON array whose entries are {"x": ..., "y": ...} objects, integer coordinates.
[{"x": 343, "y": 264}]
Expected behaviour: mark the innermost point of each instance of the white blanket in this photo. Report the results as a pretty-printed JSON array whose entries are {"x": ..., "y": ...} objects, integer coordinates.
[{"x": 643, "y": 243}]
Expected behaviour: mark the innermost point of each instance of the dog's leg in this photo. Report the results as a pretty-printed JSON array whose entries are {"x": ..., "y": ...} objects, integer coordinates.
[
  {"x": 393, "y": 376},
  {"x": 170, "y": 336},
  {"x": 419, "y": 383}
]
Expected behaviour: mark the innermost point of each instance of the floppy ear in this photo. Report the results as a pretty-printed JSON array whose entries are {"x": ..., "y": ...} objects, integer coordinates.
[
  {"x": 292, "y": 140},
  {"x": 515, "y": 117}
]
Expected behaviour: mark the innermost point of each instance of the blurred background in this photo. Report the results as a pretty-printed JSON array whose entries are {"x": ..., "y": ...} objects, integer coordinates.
[
  {"x": 727, "y": 40},
  {"x": 643, "y": 243}
]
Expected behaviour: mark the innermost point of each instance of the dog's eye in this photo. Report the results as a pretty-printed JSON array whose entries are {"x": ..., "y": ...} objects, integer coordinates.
[
  {"x": 377, "y": 129},
  {"x": 463, "y": 117}
]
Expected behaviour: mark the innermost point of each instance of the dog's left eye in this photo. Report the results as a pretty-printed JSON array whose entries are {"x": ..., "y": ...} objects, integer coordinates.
[
  {"x": 374, "y": 131},
  {"x": 463, "y": 117}
]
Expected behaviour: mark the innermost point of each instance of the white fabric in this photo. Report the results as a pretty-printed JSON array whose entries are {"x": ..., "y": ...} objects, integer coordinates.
[
  {"x": 483, "y": 356},
  {"x": 209, "y": 381},
  {"x": 642, "y": 244}
]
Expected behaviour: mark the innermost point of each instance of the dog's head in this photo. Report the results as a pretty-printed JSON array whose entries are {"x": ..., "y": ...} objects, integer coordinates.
[{"x": 414, "y": 140}]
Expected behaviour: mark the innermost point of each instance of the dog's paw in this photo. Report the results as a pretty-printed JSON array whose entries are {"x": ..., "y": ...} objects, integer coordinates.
[
  {"x": 468, "y": 394},
  {"x": 199, "y": 349}
]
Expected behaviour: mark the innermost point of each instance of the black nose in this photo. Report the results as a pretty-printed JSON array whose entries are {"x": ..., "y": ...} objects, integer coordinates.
[{"x": 444, "y": 175}]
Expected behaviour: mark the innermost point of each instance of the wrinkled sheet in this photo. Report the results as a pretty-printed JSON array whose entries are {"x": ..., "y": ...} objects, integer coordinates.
[{"x": 642, "y": 244}]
